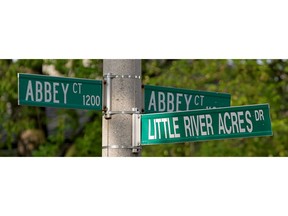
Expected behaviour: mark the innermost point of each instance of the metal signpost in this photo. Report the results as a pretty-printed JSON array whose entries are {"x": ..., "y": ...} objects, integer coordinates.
[
  {"x": 61, "y": 92},
  {"x": 166, "y": 99},
  {"x": 172, "y": 115},
  {"x": 200, "y": 125}
]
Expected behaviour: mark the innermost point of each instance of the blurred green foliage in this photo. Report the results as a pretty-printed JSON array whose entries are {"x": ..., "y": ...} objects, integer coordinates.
[
  {"x": 248, "y": 82},
  {"x": 17, "y": 123}
]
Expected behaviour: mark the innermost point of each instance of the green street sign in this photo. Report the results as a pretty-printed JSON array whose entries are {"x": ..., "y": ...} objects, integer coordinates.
[
  {"x": 166, "y": 99},
  {"x": 200, "y": 125},
  {"x": 61, "y": 92}
]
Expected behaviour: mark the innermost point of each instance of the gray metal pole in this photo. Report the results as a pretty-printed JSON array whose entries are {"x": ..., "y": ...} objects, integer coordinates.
[{"x": 126, "y": 94}]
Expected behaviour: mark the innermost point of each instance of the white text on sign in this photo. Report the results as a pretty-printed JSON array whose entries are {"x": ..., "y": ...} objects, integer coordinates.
[
  {"x": 56, "y": 92},
  {"x": 204, "y": 124},
  {"x": 46, "y": 92},
  {"x": 167, "y": 101}
]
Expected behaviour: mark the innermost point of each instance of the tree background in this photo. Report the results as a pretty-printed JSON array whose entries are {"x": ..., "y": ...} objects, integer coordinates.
[{"x": 40, "y": 131}]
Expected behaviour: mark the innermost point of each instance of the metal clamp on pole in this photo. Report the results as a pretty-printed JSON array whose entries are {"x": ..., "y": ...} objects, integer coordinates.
[
  {"x": 136, "y": 134},
  {"x": 108, "y": 95},
  {"x": 124, "y": 76},
  {"x": 136, "y": 131},
  {"x": 121, "y": 112},
  {"x": 121, "y": 147},
  {"x": 128, "y": 76}
]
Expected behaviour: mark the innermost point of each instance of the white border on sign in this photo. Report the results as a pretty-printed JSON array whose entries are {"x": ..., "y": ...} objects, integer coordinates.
[{"x": 146, "y": 29}]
